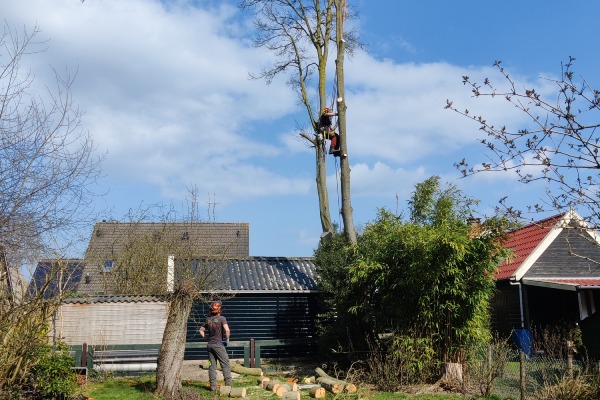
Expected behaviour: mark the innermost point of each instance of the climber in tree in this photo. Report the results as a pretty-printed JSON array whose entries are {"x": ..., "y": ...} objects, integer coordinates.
[{"x": 328, "y": 131}]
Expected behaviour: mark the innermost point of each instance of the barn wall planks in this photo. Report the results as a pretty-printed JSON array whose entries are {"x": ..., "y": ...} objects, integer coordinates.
[{"x": 110, "y": 323}]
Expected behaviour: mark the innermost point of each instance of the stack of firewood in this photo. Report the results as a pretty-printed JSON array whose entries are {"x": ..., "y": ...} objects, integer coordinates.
[{"x": 285, "y": 390}]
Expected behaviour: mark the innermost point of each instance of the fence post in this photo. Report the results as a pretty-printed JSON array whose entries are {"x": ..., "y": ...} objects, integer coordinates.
[
  {"x": 522, "y": 372},
  {"x": 570, "y": 346},
  {"x": 252, "y": 354},
  {"x": 84, "y": 354}
]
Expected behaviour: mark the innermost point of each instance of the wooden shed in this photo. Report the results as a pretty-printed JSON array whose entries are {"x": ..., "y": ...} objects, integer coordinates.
[
  {"x": 265, "y": 298},
  {"x": 110, "y": 320},
  {"x": 552, "y": 279},
  {"x": 272, "y": 298}
]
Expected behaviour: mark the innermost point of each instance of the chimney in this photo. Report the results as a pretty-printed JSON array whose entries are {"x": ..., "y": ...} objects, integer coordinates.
[{"x": 475, "y": 226}]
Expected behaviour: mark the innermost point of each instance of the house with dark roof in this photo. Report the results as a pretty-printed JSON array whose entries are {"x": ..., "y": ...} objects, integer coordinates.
[
  {"x": 112, "y": 242},
  {"x": 552, "y": 277},
  {"x": 263, "y": 297}
]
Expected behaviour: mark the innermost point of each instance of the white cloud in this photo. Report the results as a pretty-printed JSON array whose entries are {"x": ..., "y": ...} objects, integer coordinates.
[{"x": 166, "y": 92}]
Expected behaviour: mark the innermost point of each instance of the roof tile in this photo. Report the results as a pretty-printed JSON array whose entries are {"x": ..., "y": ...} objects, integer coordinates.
[{"x": 523, "y": 241}]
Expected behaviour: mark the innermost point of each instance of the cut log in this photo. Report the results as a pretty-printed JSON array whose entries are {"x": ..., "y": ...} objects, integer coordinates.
[
  {"x": 291, "y": 396},
  {"x": 271, "y": 385},
  {"x": 261, "y": 381},
  {"x": 286, "y": 387},
  {"x": 291, "y": 386},
  {"x": 235, "y": 367},
  {"x": 240, "y": 369},
  {"x": 237, "y": 392},
  {"x": 310, "y": 379},
  {"x": 281, "y": 389},
  {"x": 331, "y": 384},
  {"x": 308, "y": 386},
  {"x": 265, "y": 383},
  {"x": 350, "y": 388},
  {"x": 317, "y": 392},
  {"x": 224, "y": 390}
]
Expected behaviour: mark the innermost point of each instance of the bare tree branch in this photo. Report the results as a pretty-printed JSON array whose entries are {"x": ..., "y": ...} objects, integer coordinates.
[{"x": 559, "y": 147}]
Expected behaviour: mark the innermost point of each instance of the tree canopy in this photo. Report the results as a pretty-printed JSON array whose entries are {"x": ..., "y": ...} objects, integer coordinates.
[{"x": 428, "y": 277}]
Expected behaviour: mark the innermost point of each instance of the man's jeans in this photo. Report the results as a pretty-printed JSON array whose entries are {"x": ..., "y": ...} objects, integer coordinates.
[{"x": 218, "y": 352}]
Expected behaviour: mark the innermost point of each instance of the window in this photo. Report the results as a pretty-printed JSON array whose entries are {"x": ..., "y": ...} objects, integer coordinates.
[{"x": 108, "y": 265}]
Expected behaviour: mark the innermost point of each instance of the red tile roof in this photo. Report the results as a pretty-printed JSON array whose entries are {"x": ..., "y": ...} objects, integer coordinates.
[
  {"x": 575, "y": 282},
  {"x": 523, "y": 241}
]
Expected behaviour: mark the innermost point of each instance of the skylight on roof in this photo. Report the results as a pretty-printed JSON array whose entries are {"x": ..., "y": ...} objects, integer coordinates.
[{"x": 108, "y": 265}]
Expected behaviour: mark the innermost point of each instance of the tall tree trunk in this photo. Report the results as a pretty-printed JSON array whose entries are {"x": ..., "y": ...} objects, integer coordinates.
[
  {"x": 326, "y": 224},
  {"x": 170, "y": 360},
  {"x": 320, "y": 153},
  {"x": 349, "y": 230}
]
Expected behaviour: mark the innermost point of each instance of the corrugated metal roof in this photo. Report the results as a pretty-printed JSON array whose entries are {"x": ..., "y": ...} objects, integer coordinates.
[
  {"x": 113, "y": 299},
  {"x": 270, "y": 274},
  {"x": 244, "y": 275},
  {"x": 522, "y": 242}
]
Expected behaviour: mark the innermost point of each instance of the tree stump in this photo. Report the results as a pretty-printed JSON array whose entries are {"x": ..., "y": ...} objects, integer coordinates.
[{"x": 453, "y": 374}]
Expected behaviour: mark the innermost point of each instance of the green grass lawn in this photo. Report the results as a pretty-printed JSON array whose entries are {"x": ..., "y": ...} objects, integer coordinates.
[{"x": 142, "y": 388}]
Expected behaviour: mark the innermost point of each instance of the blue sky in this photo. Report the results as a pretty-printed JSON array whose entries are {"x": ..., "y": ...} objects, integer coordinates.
[{"x": 165, "y": 88}]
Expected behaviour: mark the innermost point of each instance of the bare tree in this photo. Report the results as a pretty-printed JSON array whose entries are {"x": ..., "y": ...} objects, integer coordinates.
[
  {"x": 46, "y": 159},
  {"x": 46, "y": 167},
  {"x": 159, "y": 253},
  {"x": 559, "y": 147},
  {"x": 299, "y": 33}
]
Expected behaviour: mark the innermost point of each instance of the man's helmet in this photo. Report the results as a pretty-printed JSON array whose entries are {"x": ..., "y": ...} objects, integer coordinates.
[
  {"x": 215, "y": 307},
  {"x": 326, "y": 110}
]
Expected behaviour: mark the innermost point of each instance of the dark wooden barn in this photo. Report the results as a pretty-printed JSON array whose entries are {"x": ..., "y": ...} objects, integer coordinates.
[{"x": 264, "y": 298}]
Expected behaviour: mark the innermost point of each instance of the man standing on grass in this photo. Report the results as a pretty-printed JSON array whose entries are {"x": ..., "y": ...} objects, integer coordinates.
[{"x": 218, "y": 338}]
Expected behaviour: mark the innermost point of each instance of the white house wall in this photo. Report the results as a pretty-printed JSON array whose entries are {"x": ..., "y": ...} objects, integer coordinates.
[{"x": 110, "y": 323}]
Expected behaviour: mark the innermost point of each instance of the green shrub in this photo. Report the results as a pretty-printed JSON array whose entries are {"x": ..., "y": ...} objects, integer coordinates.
[
  {"x": 53, "y": 376},
  {"x": 404, "y": 360}
]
